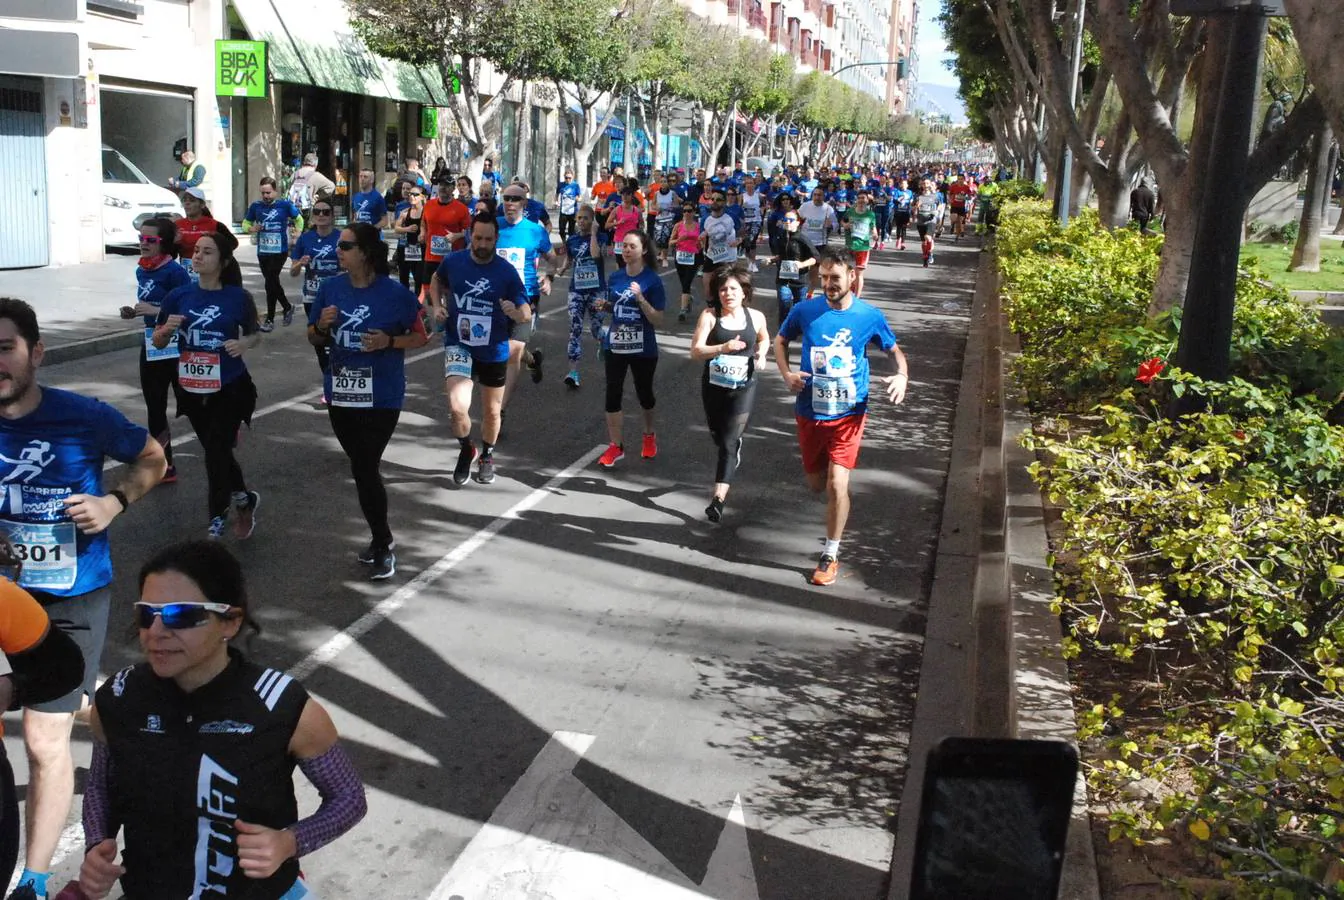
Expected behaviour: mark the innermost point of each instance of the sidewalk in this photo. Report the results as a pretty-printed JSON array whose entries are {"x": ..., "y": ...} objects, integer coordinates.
[{"x": 78, "y": 306}]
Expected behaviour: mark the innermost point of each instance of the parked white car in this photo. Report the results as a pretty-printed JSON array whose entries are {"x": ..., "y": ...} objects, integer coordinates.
[{"x": 129, "y": 198}]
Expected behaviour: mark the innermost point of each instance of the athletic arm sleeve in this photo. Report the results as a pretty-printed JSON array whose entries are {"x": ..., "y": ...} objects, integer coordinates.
[
  {"x": 343, "y": 803},
  {"x": 97, "y": 822}
]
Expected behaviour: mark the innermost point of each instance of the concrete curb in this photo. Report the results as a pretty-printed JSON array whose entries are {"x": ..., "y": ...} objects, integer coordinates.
[
  {"x": 105, "y": 343},
  {"x": 992, "y": 664},
  {"x": 1320, "y": 298}
]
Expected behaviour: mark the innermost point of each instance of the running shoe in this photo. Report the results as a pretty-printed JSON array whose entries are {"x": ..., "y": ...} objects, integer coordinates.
[
  {"x": 369, "y": 555},
  {"x": 714, "y": 511},
  {"x": 615, "y": 453},
  {"x": 216, "y": 530},
  {"x": 681, "y": 316},
  {"x": 288, "y": 318},
  {"x": 649, "y": 449},
  {"x": 485, "y": 470},
  {"x": 267, "y": 325},
  {"x": 26, "y": 891},
  {"x": 752, "y": 268},
  {"x": 535, "y": 366},
  {"x": 462, "y": 471},
  {"x": 572, "y": 379},
  {"x": 827, "y": 570},
  {"x": 246, "y": 523},
  {"x": 930, "y": 259},
  {"x": 170, "y": 476},
  {"x": 384, "y": 565}
]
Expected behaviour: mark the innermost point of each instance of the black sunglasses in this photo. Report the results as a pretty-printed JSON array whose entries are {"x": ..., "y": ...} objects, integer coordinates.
[
  {"x": 512, "y": 198},
  {"x": 179, "y": 616},
  {"x": 347, "y": 245},
  {"x": 321, "y": 212}
]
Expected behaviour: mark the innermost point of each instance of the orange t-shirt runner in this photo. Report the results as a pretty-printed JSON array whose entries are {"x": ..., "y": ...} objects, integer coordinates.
[{"x": 440, "y": 220}]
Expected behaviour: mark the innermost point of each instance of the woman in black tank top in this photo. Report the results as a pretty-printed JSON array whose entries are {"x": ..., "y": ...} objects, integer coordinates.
[
  {"x": 411, "y": 254},
  {"x": 730, "y": 337}
]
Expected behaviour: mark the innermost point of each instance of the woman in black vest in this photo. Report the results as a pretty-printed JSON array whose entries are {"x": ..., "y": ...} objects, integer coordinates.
[
  {"x": 731, "y": 338},
  {"x": 199, "y": 745}
]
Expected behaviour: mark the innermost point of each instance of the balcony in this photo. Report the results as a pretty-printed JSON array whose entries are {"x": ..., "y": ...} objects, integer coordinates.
[
  {"x": 734, "y": 7},
  {"x": 756, "y": 17},
  {"x": 813, "y": 6}
]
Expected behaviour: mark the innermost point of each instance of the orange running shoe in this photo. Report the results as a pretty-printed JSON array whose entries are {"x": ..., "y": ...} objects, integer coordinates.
[
  {"x": 650, "y": 448},
  {"x": 827, "y": 571},
  {"x": 615, "y": 453}
]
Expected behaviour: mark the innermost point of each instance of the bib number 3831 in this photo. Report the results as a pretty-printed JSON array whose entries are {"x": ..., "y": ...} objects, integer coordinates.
[
  {"x": 47, "y": 552},
  {"x": 198, "y": 372}
]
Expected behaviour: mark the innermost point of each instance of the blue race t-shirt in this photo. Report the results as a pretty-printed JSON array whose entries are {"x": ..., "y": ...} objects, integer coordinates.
[
  {"x": 323, "y": 264},
  {"x": 520, "y": 245},
  {"x": 834, "y": 345},
  {"x": 274, "y": 218},
  {"x": 475, "y": 319},
  {"x": 209, "y": 318},
  {"x": 586, "y": 272},
  {"x": 536, "y": 211},
  {"x": 357, "y": 379},
  {"x": 568, "y": 195},
  {"x": 631, "y": 332},
  {"x": 152, "y": 285},
  {"x": 54, "y": 452},
  {"x": 901, "y": 200},
  {"x": 368, "y": 206}
]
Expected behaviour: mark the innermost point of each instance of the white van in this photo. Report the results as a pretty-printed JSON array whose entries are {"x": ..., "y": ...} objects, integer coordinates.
[{"x": 129, "y": 198}]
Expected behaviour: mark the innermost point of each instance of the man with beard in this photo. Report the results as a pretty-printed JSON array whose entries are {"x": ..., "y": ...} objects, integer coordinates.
[
  {"x": 54, "y": 512},
  {"x": 478, "y": 295}
]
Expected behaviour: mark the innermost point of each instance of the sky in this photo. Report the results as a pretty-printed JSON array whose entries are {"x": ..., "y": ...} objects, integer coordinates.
[{"x": 931, "y": 47}]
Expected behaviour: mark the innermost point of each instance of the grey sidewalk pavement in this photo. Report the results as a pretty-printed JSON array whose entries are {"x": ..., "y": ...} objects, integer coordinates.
[{"x": 77, "y": 306}]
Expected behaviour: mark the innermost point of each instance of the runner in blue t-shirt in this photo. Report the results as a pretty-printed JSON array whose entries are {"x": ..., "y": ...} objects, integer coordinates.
[
  {"x": 369, "y": 322},
  {"x": 832, "y": 388},
  {"x": 271, "y": 219},
  {"x": 315, "y": 255},
  {"x": 157, "y": 274},
  {"x": 587, "y": 284},
  {"x": 522, "y": 242},
  {"x": 54, "y": 512},
  {"x": 368, "y": 205},
  {"x": 902, "y": 202},
  {"x": 215, "y": 323},
  {"x": 636, "y": 300},
  {"x": 479, "y": 297},
  {"x": 567, "y": 202}
]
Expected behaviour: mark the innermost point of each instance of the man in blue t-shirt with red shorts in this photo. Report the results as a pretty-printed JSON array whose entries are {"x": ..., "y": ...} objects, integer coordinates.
[{"x": 832, "y": 388}]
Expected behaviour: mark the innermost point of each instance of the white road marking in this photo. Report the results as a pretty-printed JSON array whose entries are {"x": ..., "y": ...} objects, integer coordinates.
[
  {"x": 552, "y": 837},
  {"x": 446, "y": 563},
  {"x": 306, "y": 397}
]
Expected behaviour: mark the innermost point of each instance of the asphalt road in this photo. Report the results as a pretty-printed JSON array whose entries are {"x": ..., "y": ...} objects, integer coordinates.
[{"x": 575, "y": 656}]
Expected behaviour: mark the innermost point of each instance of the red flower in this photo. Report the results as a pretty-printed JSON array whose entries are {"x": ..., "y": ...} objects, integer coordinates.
[
  {"x": 1150, "y": 370},
  {"x": 1239, "y": 434}
]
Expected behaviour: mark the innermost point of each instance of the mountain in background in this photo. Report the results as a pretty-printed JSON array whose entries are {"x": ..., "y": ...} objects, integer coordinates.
[{"x": 937, "y": 98}]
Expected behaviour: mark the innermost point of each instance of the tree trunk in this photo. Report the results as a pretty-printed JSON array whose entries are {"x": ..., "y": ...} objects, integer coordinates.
[
  {"x": 1319, "y": 30},
  {"x": 524, "y": 132},
  {"x": 1307, "y": 253}
]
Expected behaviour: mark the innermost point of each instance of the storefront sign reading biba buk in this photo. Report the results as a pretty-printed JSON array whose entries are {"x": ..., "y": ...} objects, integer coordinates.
[{"x": 240, "y": 68}]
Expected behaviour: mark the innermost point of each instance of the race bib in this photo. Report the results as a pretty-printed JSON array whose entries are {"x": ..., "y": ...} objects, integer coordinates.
[
  {"x": 48, "y": 553},
  {"x": 310, "y": 283},
  {"x": 456, "y": 362},
  {"x": 665, "y": 216},
  {"x": 270, "y": 242},
  {"x": 568, "y": 205},
  {"x": 191, "y": 270},
  {"x": 198, "y": 372},
  {"x": 473, "y": 331},
  {"x": 516, "y": 257},
  {"x": 438, "y": 245},
  {"x": 833, "y": 396},
  {"x": 729, "y": 371},
  {"x": 788, "y": 269},
  {"x": 720, "y": 252},
  {"x": 627, "y": 337},
  {"x": 685, "y": 257},
  {"x": 414, "y": 253},
  {"x": 154, "y": 354},
  {"x": 352, "y": 387},
  {"x": 585, "y": 276}
]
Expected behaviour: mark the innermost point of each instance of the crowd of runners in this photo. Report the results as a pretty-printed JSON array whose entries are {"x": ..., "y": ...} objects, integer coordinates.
[{"x": 475, "y": 266}]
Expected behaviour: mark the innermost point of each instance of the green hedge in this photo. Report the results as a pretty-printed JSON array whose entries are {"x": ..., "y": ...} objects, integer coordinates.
[{"x": 1201, "y": 557}]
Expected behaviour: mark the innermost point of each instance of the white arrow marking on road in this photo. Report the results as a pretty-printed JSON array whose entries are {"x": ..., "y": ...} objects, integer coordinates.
[{"x": 551, "y": 838}]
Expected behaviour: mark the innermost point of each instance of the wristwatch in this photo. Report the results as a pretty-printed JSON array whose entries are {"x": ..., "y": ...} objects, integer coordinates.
[{"x": 121, "y": 498}]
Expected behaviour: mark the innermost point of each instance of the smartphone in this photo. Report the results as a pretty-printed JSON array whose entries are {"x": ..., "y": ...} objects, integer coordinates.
[{"x": 993, "y": 820}]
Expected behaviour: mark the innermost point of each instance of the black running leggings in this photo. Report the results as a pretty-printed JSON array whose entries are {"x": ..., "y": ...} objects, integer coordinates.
[
  {"x": 566, "y": 226},
  {"x": 272, "y": 264},
  {"x": 156, "y": 380},
  {"x": 687, "y": 275},
  {"x": 641, "y": 367},
  {"x": 216, "y": 419},
  {"x": 727, "y": 412},
  {"x": 900, "y": 221},
  {"x": 364, "y": 435},
  {"x": 405, "y": 270}
]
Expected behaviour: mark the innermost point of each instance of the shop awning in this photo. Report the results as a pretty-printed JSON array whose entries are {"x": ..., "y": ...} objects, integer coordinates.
[
  {"x": 313, "y": 43},
  {"x": 263, "y": 24}
]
